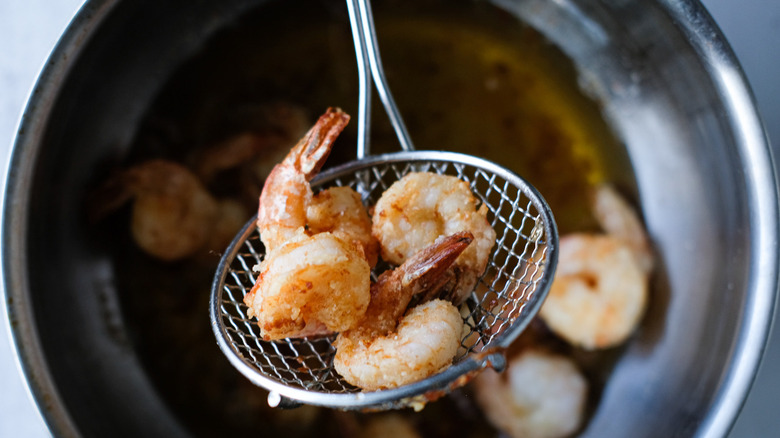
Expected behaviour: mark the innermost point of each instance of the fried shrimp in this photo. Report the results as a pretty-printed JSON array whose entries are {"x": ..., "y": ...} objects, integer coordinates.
[
  {"x": 339, "y": 210},
  {"x": 540, "y": 395},
  {"x": 619, "y": 220},
  {"x": 599, "y": 292},
  {"x": 173, "y": 215},
  {"x": 381, "y": 352},
  {"x": 424, "y": 342},
  {"x": 311, "y": 286},
  {"x": 288, "y": 206},
  {"x": 600, "y": 289},
  {"x": 287, "y": 193},
  {"x": 414, "y": 211},
  {"x": 312, "y": 281}
]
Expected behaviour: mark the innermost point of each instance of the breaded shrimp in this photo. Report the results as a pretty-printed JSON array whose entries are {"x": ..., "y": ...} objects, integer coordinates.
[
  {"x": 424, "y": 343},
  {"x": 312, "y": 281},
  {"x": 382, "y": 352},
  {"x": 420, "y": 207},
  {"x": 598, "y": 294},
  {"x": 287, "y": 193},
  {"x": 310, "y": 286},
  {"x": 173, "y": 215},
  {"x": 600, "y": 289},
  {"x": 540, "y": 395},
  {"x": 620, "y": 221},
  {"x": 339, "y": 210}
]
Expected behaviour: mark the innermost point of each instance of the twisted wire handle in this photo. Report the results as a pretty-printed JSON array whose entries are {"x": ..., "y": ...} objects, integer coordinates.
[{"x": 368, "y": 61}]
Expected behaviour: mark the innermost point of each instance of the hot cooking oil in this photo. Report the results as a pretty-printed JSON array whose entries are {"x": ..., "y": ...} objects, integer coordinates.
[{"x": 468, "y": 77}]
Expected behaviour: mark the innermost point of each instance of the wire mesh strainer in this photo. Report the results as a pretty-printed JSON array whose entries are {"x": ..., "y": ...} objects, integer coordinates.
[
  {"x": 508, "y": 295},
  {"x": 505, "y": 300}
]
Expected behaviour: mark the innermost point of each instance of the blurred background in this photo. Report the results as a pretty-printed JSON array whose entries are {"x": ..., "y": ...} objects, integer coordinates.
[{"x": 29, "y": 29}]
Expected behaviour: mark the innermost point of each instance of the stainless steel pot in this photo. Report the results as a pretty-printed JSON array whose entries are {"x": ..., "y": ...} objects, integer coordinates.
[{"x": 667, "y": 83}]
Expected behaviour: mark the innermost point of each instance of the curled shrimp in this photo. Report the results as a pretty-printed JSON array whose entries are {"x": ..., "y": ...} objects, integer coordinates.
[
  {"x": 540, "y": 395},
  {"x": 310, "y": 286},
  {"x": 312, "y": 281},
  {"x": 288, "y": 206},
  {"x": 173, "y": 215},
  {"x": 600, "y": 289},
  {"x": 287, "y": 193},
  {"x": 414, "y": 211},
  {"x": 599, "y": 292},
  {"x": 424, "y": 342},
  {"x": 381, "y": 351}
]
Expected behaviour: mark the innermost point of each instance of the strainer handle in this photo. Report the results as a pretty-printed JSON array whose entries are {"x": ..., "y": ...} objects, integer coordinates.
[
  {"x": 367, "y": 52},
  {"x": 364, "y": 83}
]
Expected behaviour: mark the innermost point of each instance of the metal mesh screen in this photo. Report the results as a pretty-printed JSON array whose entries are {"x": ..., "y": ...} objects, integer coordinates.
[{"x": 507, "y": 295}]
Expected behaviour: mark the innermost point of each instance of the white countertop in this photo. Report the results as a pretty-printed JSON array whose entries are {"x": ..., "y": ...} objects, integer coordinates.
[{"x": 29, "y": 29}]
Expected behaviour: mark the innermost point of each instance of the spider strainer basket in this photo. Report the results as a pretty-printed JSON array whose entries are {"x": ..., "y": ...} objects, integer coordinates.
[{"x": 507, "y": 296}]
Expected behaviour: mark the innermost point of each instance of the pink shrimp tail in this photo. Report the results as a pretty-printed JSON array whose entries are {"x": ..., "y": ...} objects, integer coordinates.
[{"x": 286, "y": 193}]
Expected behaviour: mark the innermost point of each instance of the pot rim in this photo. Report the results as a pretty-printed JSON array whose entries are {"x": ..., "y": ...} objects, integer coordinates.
[
  {"x": 22, "y": 327},
  {"x": 741, "y": 110}
]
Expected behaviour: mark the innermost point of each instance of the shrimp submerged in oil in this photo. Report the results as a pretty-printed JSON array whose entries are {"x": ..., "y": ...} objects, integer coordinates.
[
  {"x": 540, "y": 395},
  {"x": 600, "y": 288},
  {"x": 312, "y": 281},
  {"x": 173, "y": 214}
]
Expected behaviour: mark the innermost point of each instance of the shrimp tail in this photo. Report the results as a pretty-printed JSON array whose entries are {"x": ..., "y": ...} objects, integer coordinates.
[
  {"x": 391, "y": 347},
  {"x": 427, "y": 270},
  {"x": 286, "y": 194},
  {"x": 313, "y": 149},
  {"x": 422, "y": 275}
]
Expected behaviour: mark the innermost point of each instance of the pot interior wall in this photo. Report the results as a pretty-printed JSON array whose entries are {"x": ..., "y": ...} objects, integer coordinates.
[
  {"x": 659, "y": 99},
  {"x": 648, "y": 85}
]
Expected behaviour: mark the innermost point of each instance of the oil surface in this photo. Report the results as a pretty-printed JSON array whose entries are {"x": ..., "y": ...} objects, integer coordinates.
[{"x": 467, "y": 76}]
